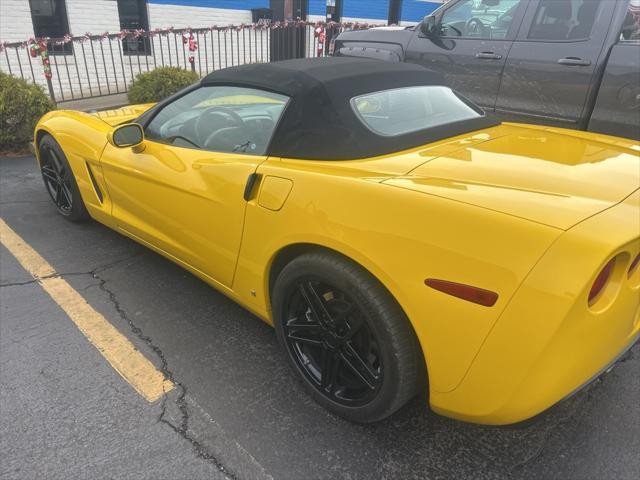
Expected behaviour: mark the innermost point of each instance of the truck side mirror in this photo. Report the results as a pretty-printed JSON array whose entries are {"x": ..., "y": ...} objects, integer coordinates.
[{"x": 429, "y": 26}]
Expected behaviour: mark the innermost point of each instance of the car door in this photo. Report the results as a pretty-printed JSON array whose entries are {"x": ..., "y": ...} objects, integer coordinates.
[
  {"x": 182, "y": 190},
  {"x": 470, "y": 45},
  {"x": 552, "y": 65}
]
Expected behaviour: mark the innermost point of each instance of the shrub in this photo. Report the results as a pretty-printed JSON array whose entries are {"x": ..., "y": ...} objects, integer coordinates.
[
  {"x": 21, "y": 106},
  {"x": 160, "y": 83}
]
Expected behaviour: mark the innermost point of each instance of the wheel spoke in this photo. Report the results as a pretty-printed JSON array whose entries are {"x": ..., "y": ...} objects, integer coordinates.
[
  {"x": 354, "y": 324},
  {"x": 66, "y": 193},
  {"x": 315, "y": 303},
  {"x": 58, "y": 194},
  {"x": 49, "y": 173},
  {"x": 309, "y": 333},
  {"x": 50, "y": 177},
  {"x": 57, "y": 164},
  {"x": 357, "y": 364},
  {"x": 304, "y": 337},
  {"x": 330, "y": 368}
]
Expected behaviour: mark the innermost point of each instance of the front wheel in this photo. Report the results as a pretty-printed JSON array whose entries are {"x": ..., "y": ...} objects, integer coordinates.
[
  {"x": 59, "y": 180},
  {"x": 346, "y": 337}
]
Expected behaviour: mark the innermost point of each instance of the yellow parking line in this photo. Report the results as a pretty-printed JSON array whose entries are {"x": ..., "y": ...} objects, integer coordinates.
[{"x": 134, "y": 367}]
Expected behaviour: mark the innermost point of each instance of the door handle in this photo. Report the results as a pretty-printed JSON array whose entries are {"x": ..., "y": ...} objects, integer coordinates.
[
  {"x": 248, "y": 188},
  {"x": 488, "y": 55},
  {"x": 574, "y": 61}
]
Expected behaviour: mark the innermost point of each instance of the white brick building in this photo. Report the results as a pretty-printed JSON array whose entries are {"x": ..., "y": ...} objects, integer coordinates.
[
  {"x": 98, "y": 16},
  {"x": 106, "y": 66}
]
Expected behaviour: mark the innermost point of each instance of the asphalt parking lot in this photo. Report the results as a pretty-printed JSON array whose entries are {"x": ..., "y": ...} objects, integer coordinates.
[{"x": 235, "y": 411}]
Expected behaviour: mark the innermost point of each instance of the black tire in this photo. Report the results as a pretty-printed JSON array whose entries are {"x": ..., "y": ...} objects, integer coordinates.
[
  {"x": 59, "y": 181},
  {"x": 371, "y": 353}
]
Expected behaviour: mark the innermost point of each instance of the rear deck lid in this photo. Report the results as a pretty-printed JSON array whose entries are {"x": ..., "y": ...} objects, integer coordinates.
[{"x": 557, "y": 178}]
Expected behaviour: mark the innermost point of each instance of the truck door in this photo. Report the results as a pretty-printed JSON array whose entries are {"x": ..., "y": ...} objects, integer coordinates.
[
  {"x": 470, "y": 45},
  {"x": 551, "y": 69},
  {"x": 617, "y": 108}
]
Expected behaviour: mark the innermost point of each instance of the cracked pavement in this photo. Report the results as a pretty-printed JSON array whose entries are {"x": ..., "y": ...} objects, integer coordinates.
[{"x": 236, "y": 411}]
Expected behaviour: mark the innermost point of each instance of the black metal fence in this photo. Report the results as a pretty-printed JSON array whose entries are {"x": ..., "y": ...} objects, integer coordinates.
[{"x": 87, "y": 66}]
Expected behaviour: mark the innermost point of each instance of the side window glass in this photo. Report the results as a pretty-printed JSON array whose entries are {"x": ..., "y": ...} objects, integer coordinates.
[
  {"x": 220, "y": 119},
  {"x": 482, "y": 19},
  {"x": 561, "y": 20},
  {"x": 631, "y": 25}
]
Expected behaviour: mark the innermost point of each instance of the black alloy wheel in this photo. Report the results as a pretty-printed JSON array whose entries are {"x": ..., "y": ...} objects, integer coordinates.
[
  {"x": 328, "y": 334},
  {"x": 59, "y": 180},
  {"x": 345, "y": 336}
]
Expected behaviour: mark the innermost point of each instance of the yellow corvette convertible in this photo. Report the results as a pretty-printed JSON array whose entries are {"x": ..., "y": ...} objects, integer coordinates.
[{"x": 396, "y": 236}]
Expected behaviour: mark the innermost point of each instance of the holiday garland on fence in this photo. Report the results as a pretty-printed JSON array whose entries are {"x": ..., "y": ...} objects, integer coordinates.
[
  {"x": 193, "y": 45},
  {"x": 40, "y": 46}
]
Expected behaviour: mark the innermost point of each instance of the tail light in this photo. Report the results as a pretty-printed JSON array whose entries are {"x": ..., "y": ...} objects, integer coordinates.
[
  {"x": 634, "y": 265},
  {"x": 601, "y": 281}
]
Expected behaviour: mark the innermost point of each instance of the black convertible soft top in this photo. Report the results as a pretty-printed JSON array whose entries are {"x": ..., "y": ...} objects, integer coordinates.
[{"x": 319, "y": 122}]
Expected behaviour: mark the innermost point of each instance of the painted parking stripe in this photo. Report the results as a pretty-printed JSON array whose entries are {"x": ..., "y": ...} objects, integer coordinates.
[{"x": 134, "y": 367}]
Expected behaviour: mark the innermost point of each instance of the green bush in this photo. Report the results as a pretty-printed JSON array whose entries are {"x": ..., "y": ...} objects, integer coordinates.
[
  {"x": 21, "y": 106},
  {"x": 160, "y": 83}
]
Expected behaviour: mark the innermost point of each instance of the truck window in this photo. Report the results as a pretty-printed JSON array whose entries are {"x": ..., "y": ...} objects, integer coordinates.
[
  {"x": 481, "y": 19},
  {"x": 631, "y": 25},
  {"x": 564, "y": 20}
]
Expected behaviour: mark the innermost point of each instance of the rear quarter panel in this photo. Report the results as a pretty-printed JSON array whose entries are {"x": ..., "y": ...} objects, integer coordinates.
[
  {"x": 553, "y": 340},
  {"x": 402, "y": 238}
]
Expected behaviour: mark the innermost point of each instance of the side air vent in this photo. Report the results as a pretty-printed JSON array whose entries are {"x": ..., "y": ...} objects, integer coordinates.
[{"x": 95, "y": 184}]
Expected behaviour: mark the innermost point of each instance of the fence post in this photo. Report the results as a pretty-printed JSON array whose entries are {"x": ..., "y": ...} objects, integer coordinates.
[{"x": 51, "y": 93}]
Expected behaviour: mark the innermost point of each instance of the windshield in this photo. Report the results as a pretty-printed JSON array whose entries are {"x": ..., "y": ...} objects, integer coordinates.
[
  {"x": 221, "y": 119},
  {"x": 405, "y": 110}
]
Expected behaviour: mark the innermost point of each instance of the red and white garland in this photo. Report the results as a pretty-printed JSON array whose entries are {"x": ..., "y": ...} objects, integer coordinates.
[
  {"x": 193, "y": 44},
  {"x": 39, "y": 46},
  {"x": 321, "y": 35}
]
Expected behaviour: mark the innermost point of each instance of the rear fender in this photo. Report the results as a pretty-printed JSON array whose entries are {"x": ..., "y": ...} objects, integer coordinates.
[
  {"x": 401, "y": 238},
  {"x": 548, "y": 342}
]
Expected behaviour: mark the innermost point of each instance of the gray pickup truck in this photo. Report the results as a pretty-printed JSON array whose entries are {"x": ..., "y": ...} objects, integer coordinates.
[{"x": 568, "y": 63}]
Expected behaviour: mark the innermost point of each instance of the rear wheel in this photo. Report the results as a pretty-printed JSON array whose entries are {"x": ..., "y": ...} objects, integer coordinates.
[
  {"x": 345, "y": 337},
  {"x": 59, "y": 181}
]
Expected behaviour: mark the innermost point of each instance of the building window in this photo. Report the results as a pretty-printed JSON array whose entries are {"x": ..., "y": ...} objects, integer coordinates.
[
  {"x": 49, "y": 19},
  {"x": 133, "y": 16}
]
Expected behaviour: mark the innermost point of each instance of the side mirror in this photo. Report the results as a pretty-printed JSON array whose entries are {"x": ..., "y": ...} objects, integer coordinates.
[
  {"x": 429, "y": 26},
  {"x": 128, "y": 135}
]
